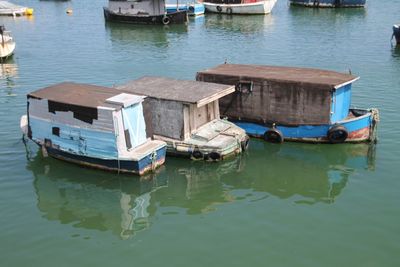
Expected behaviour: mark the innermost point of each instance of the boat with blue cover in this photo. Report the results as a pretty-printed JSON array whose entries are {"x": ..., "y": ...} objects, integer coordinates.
[
  {"x": 329, "y": 3},
  {"x": 92, "y": 126},
  {"x": 396, "y": 33},
  {"x": 192, "y": 8},
  {"x": 293, "y": 104}
]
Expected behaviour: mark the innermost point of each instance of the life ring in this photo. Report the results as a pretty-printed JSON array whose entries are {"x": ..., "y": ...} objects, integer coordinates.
[
  {"x": 197, "y": 155},
  {"x": 337, "y": 134},
  {"x": 219, "y": 9},
  {"x": 273, "y": 135},
  {"x": 166, "y": 20},
  {"x": 214, "y": 156},
  {"x": 229, "y": 11}
]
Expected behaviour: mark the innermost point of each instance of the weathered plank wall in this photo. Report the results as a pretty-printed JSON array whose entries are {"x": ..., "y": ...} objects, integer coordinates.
[{"x": 164, "y": 117}]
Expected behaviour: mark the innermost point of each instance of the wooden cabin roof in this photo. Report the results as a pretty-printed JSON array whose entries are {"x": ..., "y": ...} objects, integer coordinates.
[
  {"x": 323, "y": 78},
  {"x": 84, "y": 95},
  {"x": 193, "y": 92}
]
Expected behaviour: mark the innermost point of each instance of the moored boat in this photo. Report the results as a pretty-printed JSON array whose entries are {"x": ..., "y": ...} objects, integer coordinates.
[
  {"x": 245, "y": 7},
  {"x": 329, "y": 3},
  {"x": 193, "y": 9},
  {"x": 396, "y": 33},
  {"x": 293, "y": 104},
  {"x": 185, "y": 115},
  {"x": 7, "y": 44},
  {"x": 143, "y": 12},
  {"x": 92, "y": 126}
]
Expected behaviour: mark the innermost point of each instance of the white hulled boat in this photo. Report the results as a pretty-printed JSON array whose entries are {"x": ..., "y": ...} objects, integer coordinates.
[{"x": 239, "y": 6}]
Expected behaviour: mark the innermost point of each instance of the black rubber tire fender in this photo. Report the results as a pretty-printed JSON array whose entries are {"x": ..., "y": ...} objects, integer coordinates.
[
  {"x": 215, "y": 156},
  {"x": 337, "y": 134},
  {"x": 166, "y": 20},
  {"x": 219, "y": 9},
  {"x": 197, "y": 155},
  {"x": 273, "y": 135},
  {"x": 229, "y": 10}
]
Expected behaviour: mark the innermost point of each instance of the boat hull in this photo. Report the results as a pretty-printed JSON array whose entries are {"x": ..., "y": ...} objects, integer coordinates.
[
  {"x": 263, "y": 7},
  {"x": 6, "y": 49},
  {"x": 140, "y": 167},
  {"x": 396, "y": 33},
  {"x": 179, "y": 17},
  {"x": 329, "y": 3},
  {"x": 360, "y": 129}
]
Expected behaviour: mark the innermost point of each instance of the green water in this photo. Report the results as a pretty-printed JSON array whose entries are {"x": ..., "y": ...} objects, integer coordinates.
[{"x": 276, "y": 205}]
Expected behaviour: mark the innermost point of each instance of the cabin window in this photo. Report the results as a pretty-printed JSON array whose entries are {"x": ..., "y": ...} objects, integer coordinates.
[
  {"x": 245, "y": 87},
  {"x": 132, "y": 6},
  {"x": 55, "y": 131}
]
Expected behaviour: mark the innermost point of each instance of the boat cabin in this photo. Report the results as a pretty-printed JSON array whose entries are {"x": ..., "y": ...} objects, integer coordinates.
[
  {"x": 186, "y": 115},
  {"x": 137, "y": 7},
  {"x": 282, "y": 95},
  {"x": 93, "y": 126}
]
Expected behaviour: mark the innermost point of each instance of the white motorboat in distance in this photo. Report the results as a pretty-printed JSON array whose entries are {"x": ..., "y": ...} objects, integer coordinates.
[
  {"x": 7, "y": 44},
  {"x": 245, "y": 7}
]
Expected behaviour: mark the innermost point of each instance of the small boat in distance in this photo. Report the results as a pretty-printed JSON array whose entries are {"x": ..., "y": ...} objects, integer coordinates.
[
  {"x": 193, "y": 9},
  {"x": 10, "y": 9},
  {"x": 7, "y": 44},
  {"x": 396, "y": 33},
  {"x": 293, "y": 104},
  {"x": 185, "y": 115},
  {"x": 143, "y": 12},
  {"x": 245, "y": 7},
  {"x": 329, "y": 3},
  {"x": 92, "y": 126}
]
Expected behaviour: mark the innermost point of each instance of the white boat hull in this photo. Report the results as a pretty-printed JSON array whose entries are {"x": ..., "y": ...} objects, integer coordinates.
[
  {"x": 263, "y": 7},
  {"x": 6, "y": 48}
]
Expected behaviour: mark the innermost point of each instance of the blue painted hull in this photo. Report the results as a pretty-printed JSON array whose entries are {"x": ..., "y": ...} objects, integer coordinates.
[
  {"x": 329, "y": 3},
  {"x": 360, "y": 129},
  {"x": 139, "y": 167},
  {"x": 396, "y": 33}
]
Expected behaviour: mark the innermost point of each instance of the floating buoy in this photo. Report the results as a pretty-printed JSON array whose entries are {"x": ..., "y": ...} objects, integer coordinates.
[
  {"x": 69, "y": 11},
  {"x": 29, "y": 11}
]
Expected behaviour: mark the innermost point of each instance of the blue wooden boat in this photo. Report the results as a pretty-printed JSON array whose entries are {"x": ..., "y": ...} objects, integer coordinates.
[
  {"x": 396, "y": 33},
  {"x": 293, "y": 104},
  {"x": 329, "y": 3},
  {"x": 92, "y": 126},
  {"x": 193, "y": 9}
]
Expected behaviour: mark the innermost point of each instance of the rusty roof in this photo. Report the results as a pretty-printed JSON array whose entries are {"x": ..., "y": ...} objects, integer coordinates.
[
  {"x": 193, "y": 92},
  {"x": 85, "y": 95},
  {"x": 324, "y": 78}
]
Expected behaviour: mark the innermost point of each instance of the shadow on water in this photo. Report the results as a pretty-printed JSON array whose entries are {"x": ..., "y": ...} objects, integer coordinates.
[
  {"x": 124, "y": 204},
  {"x": 317, "y": 173},
  {"x": 396, "y": 51},
  {"x": 239, "y": 24},
  {"x": 158, "y": 35},
  {"x": 8, "y": 76}
]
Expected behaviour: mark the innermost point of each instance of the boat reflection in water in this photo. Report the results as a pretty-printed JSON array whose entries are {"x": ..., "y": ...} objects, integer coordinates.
[
  {"x": 121, "y": 204},
  {"x": 125, "y": 35},
  {"x": 239, "y": 24},
  {"x": 308, "y": 174},
  {"x": 8, "y": 76},
  {"x": 125, "y": 205}
]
